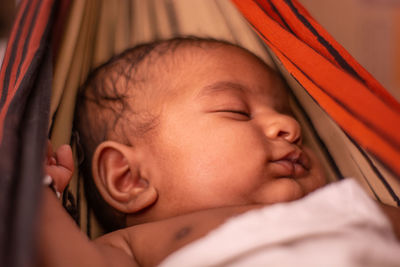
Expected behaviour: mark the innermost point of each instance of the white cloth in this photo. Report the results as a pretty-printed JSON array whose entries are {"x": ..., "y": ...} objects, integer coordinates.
[{"x": 337, "y": 225}]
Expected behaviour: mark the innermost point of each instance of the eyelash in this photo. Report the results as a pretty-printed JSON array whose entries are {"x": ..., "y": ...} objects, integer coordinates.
[{"x": 244, "y": 113}]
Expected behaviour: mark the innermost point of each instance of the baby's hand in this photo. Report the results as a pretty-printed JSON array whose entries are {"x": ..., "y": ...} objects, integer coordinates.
[{"x": 59, "y": 166}]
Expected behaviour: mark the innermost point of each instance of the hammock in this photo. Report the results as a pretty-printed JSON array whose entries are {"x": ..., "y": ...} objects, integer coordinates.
[{"x": 348, "y": 118}]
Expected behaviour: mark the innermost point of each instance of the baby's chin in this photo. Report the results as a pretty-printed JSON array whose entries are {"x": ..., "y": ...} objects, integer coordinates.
[
  {"x": 290, "y": 189},
  {"x": 280, "y": 190}
]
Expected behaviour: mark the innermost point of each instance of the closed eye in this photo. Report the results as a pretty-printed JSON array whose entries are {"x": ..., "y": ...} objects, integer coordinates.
[{"x": 237, "y": 112}]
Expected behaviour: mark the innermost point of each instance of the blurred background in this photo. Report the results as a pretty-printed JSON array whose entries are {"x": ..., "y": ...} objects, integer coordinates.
[{"x": 368, "y": 29}]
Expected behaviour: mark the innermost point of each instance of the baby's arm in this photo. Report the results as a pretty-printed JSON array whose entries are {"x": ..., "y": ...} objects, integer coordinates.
[
  {"x": 152, "y": 242},
  {"x": 61, "y": 243}
]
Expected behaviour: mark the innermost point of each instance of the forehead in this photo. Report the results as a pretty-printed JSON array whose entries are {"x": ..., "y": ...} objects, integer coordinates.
[{"x": 207, "y": 71}]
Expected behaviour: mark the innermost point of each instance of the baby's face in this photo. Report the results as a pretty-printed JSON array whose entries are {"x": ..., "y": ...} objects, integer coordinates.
[{"x": 226, "y": 136}]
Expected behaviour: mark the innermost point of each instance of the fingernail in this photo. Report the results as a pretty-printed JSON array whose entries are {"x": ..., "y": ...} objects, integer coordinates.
[{"x": 52, "y": 161}]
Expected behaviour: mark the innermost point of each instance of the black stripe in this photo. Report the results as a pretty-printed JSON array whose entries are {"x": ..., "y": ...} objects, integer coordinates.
[
  {"x": 78, "y": 203},
  {"x": 223, "y": 14},
  {"x": 153, "y": 22},
  {"x": 28, "y": 38},
  {"x": 130, "y": 18},
  {"x": 172, "y": 17},
  {"x": 365, "y": 178},
  {"x": 11, "y": 63},
  {"x": 88, "y": 220},
  {"x": 336, "y": 55},
  {"x": 278, "y": 13},
  {"x": 377, "y": 172}
]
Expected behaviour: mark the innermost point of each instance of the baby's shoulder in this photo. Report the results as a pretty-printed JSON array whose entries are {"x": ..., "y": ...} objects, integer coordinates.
[
  {"x": 148, "y": 244},
  {"x": 119, "y": 239}
]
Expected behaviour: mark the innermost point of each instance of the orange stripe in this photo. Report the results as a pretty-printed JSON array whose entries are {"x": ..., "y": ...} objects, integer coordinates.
[
  {"x": 366, "y": 111},
  {"x": 271, "y": 12},
  {"x": 36, "y": 38},
  {"x": 303, "y": 33}
]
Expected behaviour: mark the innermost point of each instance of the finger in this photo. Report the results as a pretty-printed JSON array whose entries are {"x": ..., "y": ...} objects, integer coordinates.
[
  {"x": 64, "y": 157},
  {"x": 63, "y": 169},
  {"x": 60, "y": 175}
]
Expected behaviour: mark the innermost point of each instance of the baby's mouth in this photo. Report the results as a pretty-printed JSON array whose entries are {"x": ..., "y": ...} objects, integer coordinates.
[{"x": 294, "y": 165}]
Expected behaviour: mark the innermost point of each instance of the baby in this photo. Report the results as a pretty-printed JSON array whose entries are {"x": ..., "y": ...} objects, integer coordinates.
[{"x": 178, "y": 136}]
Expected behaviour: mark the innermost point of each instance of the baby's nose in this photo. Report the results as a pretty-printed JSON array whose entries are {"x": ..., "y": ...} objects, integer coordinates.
[{"x": 283, "y": 126}]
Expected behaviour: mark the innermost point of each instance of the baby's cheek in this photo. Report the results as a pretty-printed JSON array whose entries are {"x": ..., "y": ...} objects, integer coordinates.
[{"x": 277, "y": 191}]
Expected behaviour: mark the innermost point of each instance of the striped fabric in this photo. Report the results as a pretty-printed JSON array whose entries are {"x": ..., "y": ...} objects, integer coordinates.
[
  {"x": 24, "y": 45},
  {"x": 348, "y": 93},
  {"x": 25, "y": 86},
  {"x": 368, "y": 114},
  {"x": 357, "y": 138}
]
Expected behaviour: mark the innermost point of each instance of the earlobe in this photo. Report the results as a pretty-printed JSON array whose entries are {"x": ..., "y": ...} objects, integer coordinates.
[{"x": 118, "y": 177}]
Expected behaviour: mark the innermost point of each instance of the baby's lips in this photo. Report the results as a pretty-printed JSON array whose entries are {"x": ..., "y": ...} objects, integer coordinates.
[
  {"x": 282, "y": 168},
  {"x": 299, "y": 170},
  {"x": 293, "y": 165},
  {"x": 304, "y": 160}
]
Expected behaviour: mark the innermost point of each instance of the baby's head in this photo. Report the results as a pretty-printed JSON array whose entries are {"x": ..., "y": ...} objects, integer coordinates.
[{"x": 189, "y": 124}]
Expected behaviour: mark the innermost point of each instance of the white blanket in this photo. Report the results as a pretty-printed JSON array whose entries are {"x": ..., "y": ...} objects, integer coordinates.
[{"x": 337, "y": 225}]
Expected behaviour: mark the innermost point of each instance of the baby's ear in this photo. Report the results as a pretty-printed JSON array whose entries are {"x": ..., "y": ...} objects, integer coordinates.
[{"x": 117, "y": 174}]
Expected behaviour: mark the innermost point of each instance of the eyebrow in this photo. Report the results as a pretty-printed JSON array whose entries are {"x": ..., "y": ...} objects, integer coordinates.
[{"x": 221, "y": 86}]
